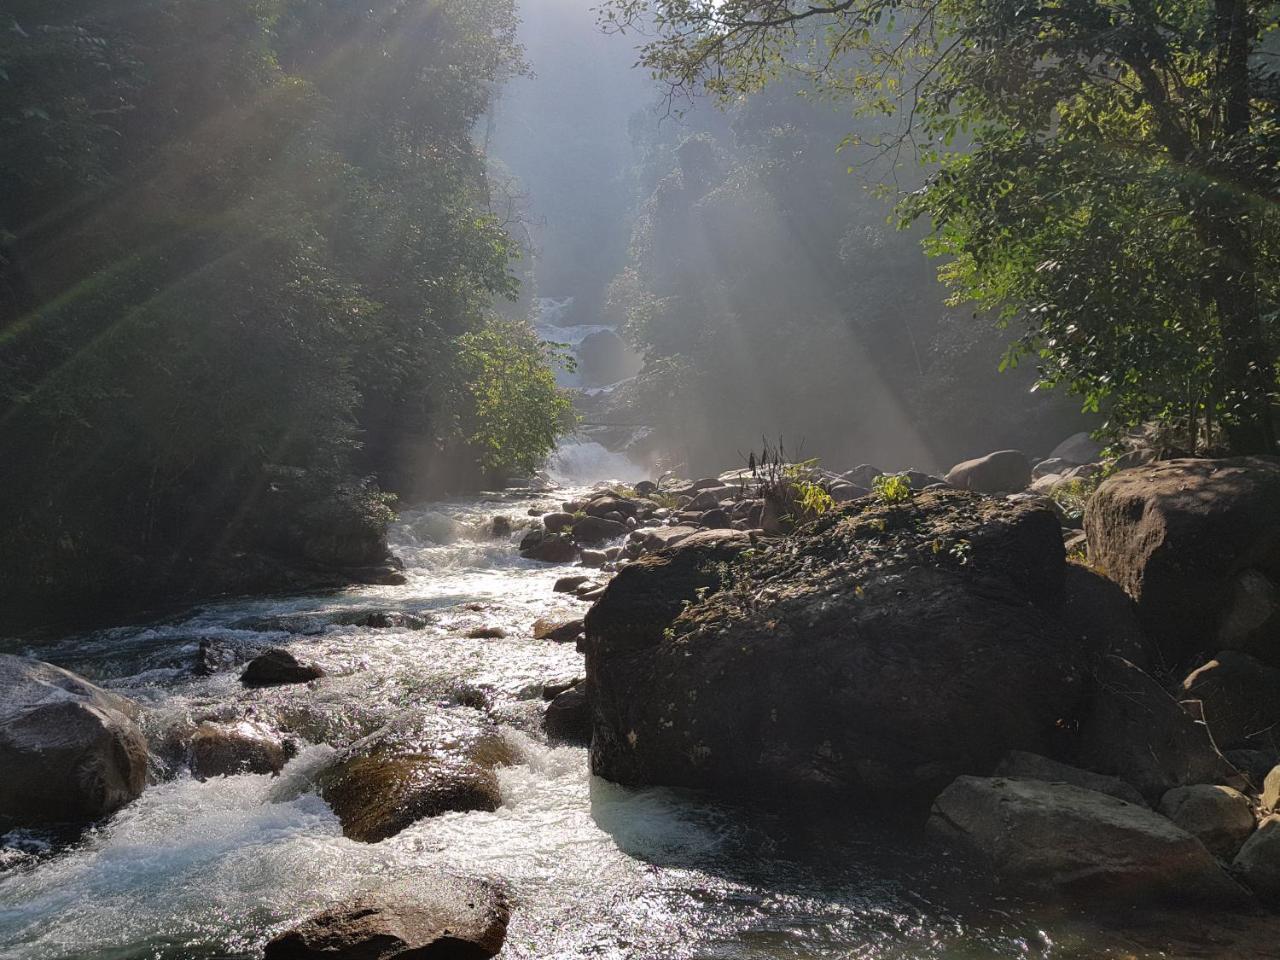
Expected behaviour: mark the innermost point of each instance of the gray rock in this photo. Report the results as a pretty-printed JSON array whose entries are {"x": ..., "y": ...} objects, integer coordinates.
[
  {"x": 278, "y": 667},
  {"x": 549, "y": 548},
  {"x": 444, "y": 918},
  {"x": 1021, "y": 765},
  {"x": 1218, "y": 816},
  {"x": 591, "y": 529},
  {"x": 1005, "y": 471},
  {"x": 557, "y": 522},
  {"x": 570, "y": 583},
  {"x": 70, "y": 752},
  {"x": 1063, "y": 838},
  {"x": 593, "y": 558},
  {"x": 1078, "y": 448},
  {"x": 1258, "y": 863}
]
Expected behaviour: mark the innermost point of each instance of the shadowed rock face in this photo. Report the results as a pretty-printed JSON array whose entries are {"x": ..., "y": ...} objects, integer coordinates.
[
  {"x": 1062, "y": 837},
  {"x": 876, "y": 657},
  {"x": 70, "y": 751},
  {"x": 419, "y": 767},
  {"x": 1196, "y": 543},
  {"x": 437, "y": 918}
]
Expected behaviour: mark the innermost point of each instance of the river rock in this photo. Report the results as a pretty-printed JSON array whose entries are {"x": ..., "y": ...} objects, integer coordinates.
[
  {"x": 1102, "y": 616},
  {"x": 568, "y": 716},
  {"x": 1063, "y": 838},
  {"x": 1240, "y": 697},
  {"x": 562, "y": 631},
  {"x": 609, "y": 504},
  {"x": 1190, "y": 541},
  {"x": 1005, "y": 471},
  {"x": 70, "y": 752},
  {"x": 1134, "y": 730},
  {"x": 1220, "y": 817},
  {"x": 1021, "y": 765},
  {"x": 227, "y": 749},
  {"x": 444, "y": 918},
  {"x": 589, "y": 529},
  {"x": 810, "y": 674},
  {"x": 548, "y": 547},
  {"x": 1258, "y": 862},
  {"x": 278, "y": 667},
  {"x": 416, "y": 767},
  {"x": 570, "y": 583},
  {"x": 557, "y": 522},
  {"x": 1077, "y": 449}
]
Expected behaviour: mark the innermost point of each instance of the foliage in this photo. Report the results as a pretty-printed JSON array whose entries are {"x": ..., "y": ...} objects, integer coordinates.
[
  {"x": 891, "y": 488},
  {"x": 1105, "y": 171},
  {"x": 247, "y": 267}
]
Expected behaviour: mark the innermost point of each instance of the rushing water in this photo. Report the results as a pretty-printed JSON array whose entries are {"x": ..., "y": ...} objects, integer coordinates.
[{"x": 211, "y": 870}]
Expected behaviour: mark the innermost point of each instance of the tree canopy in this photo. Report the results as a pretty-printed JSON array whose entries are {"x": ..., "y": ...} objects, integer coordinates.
[{"x": 1105, "y": 172}]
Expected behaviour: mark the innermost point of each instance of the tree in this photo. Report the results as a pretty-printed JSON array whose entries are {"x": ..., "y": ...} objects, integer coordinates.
[{"x": 1106, "y": 171}]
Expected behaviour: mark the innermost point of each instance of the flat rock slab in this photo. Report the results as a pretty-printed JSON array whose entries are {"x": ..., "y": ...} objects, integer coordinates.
[{"x": 1059, "y": 837}]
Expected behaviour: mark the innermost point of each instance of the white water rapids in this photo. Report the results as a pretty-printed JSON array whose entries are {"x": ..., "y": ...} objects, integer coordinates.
[{"x": 213, "y": 869}]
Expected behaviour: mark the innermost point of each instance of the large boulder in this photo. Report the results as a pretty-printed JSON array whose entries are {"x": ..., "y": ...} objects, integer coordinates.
[
  {"x": 1240, "y": 698},
  {"x": 70, "y": 752},
  {"x": 1103, "y": 617},
  {"x": 568, "y": 716},
  {"x": 278, "y": 667},
  {"x": 1134, "y": 730},
  {"x": 1196, "y": 543},
  {"x": 1220, "y": 817},
  {"x": 1063, "y": 838},
  {"x": 589, "y": 529},
  {"x": 1005, "y": 471},
  {"x": 441, "y": 918},
  {"x": 548, "y": 547},
  {"x": 1258, "y": 862},
  {"x": 1077, "y": 449},
  {"x": 416, "y": 767},
  {"x": 876, "y": 657},
  {"x": 245, "y": 746},
  {"x": 1021, "y": 765}
]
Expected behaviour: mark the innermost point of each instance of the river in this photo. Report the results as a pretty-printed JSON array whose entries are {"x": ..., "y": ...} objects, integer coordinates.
[{"x": 213, "y": 869}]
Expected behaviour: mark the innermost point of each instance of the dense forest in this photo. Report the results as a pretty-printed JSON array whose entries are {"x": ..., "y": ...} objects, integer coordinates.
[{"x": 249, "y": 267}]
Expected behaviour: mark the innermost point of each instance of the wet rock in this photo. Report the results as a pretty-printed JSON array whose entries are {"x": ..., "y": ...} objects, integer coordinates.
[
  {"x": 594, "y": 558},
  {"x": 552, "y": 690},
  {"x": 590, "y": 529},
  {"x": 227, "y": 749},
  {"x": 571, "y": 583},
  {"x": 276, "y": 668},
  {"x": 611, "y": 506},
  {"x": 501, "y": 527},
  {"x": 811, "y": 679},
  {"x": 449, "y": 918},
  {"x": 211, "y": 657},
  {"x": 557, "y": 522},
  {"x": 1021, "y": 765},
  {"x": 1240, "y": 697},
  {"x": 486, "y": 633},
  {"x": 70, "y": 752},
  {"x": 549, "y": 548},
  {"x": 1219, "y": 817},
  {"x": 1179, "y": 536},
  {"x": 564, "y": 631},
  {"x": 1005, "y": 471},
  {"x": 414, "y": 768},
  {"x": 1258, "y": 863},
  {"x": 568, "y": 716},
  {"x": 384, "y": 620},
  {"x": 1065, "y": 839},
  {"x": 1134, "y": 730}
]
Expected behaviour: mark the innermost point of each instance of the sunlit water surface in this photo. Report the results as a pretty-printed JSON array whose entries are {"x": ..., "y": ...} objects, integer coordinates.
[{"x": 205, "y": 870}]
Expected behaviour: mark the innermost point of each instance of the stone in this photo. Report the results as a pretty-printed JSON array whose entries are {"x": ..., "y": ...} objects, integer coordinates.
[
  {"x": 557, "y": 522},
  {"x": 1270, "y": 798},
  {"x": 1254, "y": 764},
  {"x": 1134, "y": 730},
  {"x": 1021, "y": 765},
  {"x": 1064, "y": 839},
  {"x": 663, "y": 537},
  {"x": 710, "y": 499},
  {"x": 568, "y": 716},
  {"x": 416, "y": 767},
  {"x": 1258, "y": 862},
  {"x": 715, "y": 519},
  {"x": 70, "y": 752},
  {"x": 1218, "y": 816},
  {"x": 1240, "y": 697},
  {"x": 228, "y": 749},
  {"x": 501, "y": 527},
  {"x": 564, "y": 631},
  {"x": 1102, "y": 616},
  {"x": 590, "y": 529},
  {"x": 1051, "y": 467},
  {"x": 1077, "y": 449},
  {"x": 570, "y": 583},
  {"x": 278, "y": 667},
  {"x": 426, "y": 918},
  {"x": 1005, "y": 471},
  {"x": 613, "y": 507},
  {"x": 549, "y": 548},
  {"x": 807, "y": 677},
  {"x": 646, "y": 488},
  {"x": 1187, "y": 540},
  {"x": 863, "y": 475},
  {"x": 486, "y": 633},
  {"x": 593, "y": 558}
]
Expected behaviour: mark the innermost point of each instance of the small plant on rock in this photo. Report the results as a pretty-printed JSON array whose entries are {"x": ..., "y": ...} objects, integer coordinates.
[{"x": 891, "y": 488}]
